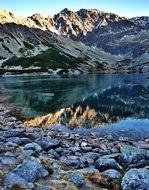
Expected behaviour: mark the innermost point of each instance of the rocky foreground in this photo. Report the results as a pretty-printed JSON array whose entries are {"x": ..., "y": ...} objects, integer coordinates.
[{"x": 57, "y": 158}]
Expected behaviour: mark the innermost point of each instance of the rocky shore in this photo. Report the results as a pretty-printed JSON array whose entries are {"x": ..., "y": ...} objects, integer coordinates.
[{"x": 56, "y": 158}]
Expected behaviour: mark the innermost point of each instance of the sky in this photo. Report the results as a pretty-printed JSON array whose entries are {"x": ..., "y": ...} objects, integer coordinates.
[{"x": 127, "y": 8}]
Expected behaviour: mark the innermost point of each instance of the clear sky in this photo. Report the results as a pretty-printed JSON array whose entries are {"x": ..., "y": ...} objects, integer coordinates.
[{"x": 128, "y": 8}]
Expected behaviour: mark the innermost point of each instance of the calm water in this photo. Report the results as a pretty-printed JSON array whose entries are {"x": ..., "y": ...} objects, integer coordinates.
[{"x": 39, "y": 95}]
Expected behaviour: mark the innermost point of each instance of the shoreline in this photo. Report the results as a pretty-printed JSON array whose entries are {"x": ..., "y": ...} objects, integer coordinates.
[
  {"x": 67, "y": 159},
  {"x": 68, "y": 74}
]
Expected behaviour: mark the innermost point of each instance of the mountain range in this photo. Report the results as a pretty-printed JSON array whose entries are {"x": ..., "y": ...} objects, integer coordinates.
[{"x": 73, "y": 42}]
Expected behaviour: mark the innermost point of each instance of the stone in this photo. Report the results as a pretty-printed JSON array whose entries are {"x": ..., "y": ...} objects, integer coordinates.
[
  {"x": 26, "y": 153},
  {"x": 14, "y": 179},
  {"x": 75, "y": 149},
  {"x": 33, "y": 146},
  {"x": 8, "y": 160},
  {"x": 113, "y": 175},
  {"x": 114, "y": 155},
  {"x": 61, "y": 129},
  {"x": 19, "y": 141},
  {"x": 104, "y": 164},
  {"x": 48, "y": 143},
  {"x": 12, "y": 132},
  {"x": 131, "y": 157},
  {"x": 89, "y": 170},
  {"x": 66, "y": 152},
  {"x": 77, "y": 179},
  {"x": 43, "y": 188},
  {"x": 72, "y": 163},
  {"x": 136, "y": 179},
  {"x": 83, "y": 144},
  {"x": 53, "y": 154},
  {"x": 31, "y": 170},
  {"x": 124, "y": 139},
  {"x": 87, "y": 159}
]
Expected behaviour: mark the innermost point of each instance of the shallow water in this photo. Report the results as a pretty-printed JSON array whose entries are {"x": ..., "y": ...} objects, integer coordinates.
[
  {"x": 126, "y": 94},
  {"x": 135, "y": 129}
]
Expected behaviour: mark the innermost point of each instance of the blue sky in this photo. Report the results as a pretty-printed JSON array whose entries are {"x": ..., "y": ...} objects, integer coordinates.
[{"x": 128, "y": 8}]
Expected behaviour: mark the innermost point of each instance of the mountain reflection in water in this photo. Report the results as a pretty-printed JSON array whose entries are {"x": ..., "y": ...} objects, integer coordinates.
[{"x": 89, "y": 99}]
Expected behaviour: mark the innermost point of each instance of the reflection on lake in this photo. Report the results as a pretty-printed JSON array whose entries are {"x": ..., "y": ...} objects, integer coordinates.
[{"x": 113, "y": 96}]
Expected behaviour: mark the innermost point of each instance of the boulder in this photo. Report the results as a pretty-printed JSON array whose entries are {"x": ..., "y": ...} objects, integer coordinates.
[
  {"x": 33, "y": 146},
  {"x": 136, "y": 179},
  {"x": 131, "y": 157},
  {"x": 77, "y": 179},
  {"x": 48, "y": 143},
  {"x": 31, "y": 171},
  {"x": 113, "y": 175},
  {"x": 15, "y": 180},
  {"x": 12, "y": 132},
  {"x": 72, "y": 163},
  {"x": 104, "y": 164}
]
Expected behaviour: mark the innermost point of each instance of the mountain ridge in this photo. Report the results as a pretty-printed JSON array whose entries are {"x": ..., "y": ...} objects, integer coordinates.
[{"x": 126, "y": 41}]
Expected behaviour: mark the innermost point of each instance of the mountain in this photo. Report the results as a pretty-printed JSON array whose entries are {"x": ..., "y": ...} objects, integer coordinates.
[{"x": 82, "y": 41}]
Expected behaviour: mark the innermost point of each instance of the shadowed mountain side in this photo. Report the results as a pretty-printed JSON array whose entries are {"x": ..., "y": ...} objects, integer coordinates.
[
  {"x": 113, "y": 104},
  {"x": 25, "y": 49}
]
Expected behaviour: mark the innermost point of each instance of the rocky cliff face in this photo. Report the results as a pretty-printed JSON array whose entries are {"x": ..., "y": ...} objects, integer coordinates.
[{"x": 125, "y": 41}]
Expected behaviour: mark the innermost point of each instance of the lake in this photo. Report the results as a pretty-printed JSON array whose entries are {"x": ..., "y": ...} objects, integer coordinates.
[{"x": 120, "y": 95}]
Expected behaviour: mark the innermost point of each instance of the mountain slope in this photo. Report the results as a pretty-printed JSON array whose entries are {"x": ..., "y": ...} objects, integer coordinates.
[
  {"x": 31, "y": 49},
  {"x": 125, "y": 41}
]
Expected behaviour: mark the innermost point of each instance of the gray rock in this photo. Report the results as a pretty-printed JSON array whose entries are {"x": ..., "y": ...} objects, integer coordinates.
[
  {"x": 66, "y": 152},
  {"x": 77, "y": 179},
  {"x": 19, "y": 141},
  {"x": 136, "y": 179},
  {"x": 12, "y": 132},
  {"x": 105, "y": 164},
  {"x": 89, "y": 170},
  {"x": 53, "y": 154},
  {"x": 72, "y": 163},
  {"x": 59, "y": 150},
  {"x": 26, "y": 153},
  {"x": 8, "y": 160},
  {"x": 33, "y": 146},
  {"x": 114, "y": 156},
  {"x": 14, "y": 179},
  {"x": 31, "y": 171},
  {"x": 74, "y": 149},
  {"x": 112, "y": 174},
  {"x": 87, "y": 159},
  {"x": 62, "y": 129},
  {"x": 43, "y": 188},
  {"x": 131, "y": 157},
  {"x": 48, "y": 143}
]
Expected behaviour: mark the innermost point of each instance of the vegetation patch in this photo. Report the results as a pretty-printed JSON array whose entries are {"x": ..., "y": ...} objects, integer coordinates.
[
  {"x": 28, "y": 45},
  {"x": 6, "y": 48},
  {"x": 50, "y": 59}
]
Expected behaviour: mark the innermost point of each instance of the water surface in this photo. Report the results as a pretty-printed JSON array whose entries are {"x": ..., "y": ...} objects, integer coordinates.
[{"x": 39, "y": 95}]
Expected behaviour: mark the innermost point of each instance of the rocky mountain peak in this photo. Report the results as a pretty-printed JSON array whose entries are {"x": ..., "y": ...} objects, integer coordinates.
[
  {"x": 142, "y": 21},
  {"x": 6, "y": 16}
]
